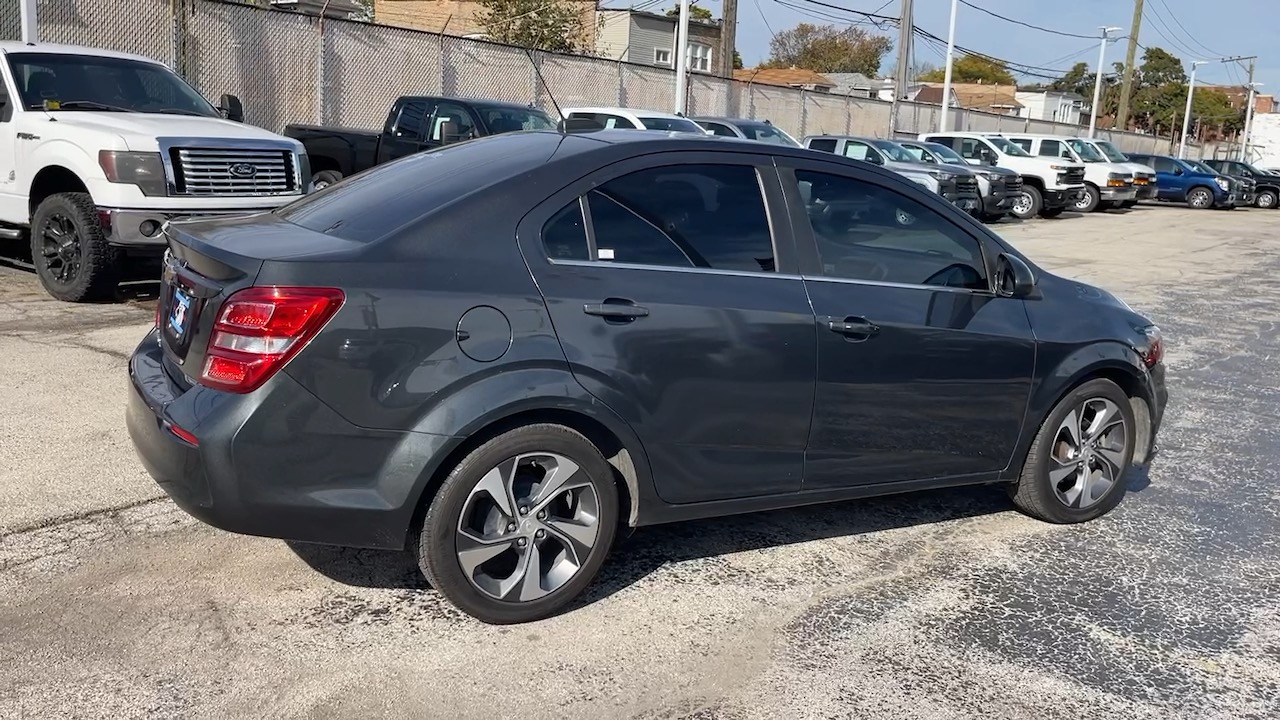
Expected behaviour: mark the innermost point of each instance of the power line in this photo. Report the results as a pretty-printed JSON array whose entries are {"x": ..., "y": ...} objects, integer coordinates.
[
  {"x": 1174, "y": 15},
  {"x": 1025, "y": 24}
]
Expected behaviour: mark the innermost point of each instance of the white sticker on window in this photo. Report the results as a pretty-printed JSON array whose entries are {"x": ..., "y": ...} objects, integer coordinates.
[{"x": 604, "y": 253}]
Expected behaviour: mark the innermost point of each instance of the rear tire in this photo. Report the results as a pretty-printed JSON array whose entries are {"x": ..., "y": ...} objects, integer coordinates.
[
  {"x": 325, "y": 178},
  {"x": 72, "y": 257},
  {"x": 1074, "y": 471},
  {"x": 478, "y": 550},
  {"x": 1029, "y": 205}
]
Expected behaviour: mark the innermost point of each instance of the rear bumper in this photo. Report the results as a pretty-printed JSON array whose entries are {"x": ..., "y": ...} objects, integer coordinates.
[
  {"x": 144, "y": 227},
  {"x": 276, "y": 462}
]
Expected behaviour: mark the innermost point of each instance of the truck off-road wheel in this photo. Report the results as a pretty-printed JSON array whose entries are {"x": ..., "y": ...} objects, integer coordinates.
[
  {"x": 1199, "y": 198},
  {"x": 325, "y": 178},
  {"x": 1076, "y": 465},
  {"x": 73, "y": 259},
  {"x": 1028, "y": 203},
  {"x": 1088, "y": 202},
  {"x": 1266, "y": 199},
  {"x": 521, "y": 525}
]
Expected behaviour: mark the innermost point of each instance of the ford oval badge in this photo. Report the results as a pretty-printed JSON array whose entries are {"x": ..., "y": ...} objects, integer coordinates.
[{"x": 243, "y": 170}]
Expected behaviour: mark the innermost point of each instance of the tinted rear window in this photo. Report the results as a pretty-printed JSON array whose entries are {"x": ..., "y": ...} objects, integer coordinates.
[{"x": 368, "y": 206}]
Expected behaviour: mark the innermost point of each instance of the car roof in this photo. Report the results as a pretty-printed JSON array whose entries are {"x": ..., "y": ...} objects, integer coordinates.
[
  {"x": 636, "y": 112},
  {"x": 727, "y": 120},
  {"x": 1037, "y": 136},
  {"x": 8, "y": 47}
]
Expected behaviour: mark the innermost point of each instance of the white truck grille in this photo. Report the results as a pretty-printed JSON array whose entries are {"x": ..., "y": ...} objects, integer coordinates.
[{"x": 230, "y": 172}]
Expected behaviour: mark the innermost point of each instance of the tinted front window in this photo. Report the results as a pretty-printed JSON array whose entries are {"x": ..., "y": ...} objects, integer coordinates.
[
  {"x": 1007, "y": 147},
  {"x": 945, "y": 154},
  {"x": 1164, "y": 165},
  {"x": 718, "y": 129},
  {"x": 1051, "y": 148},
  {"x": 369, "y": 206},
  {"x": 868, "y": 232},
  {"x": 894, "y": 151},
  {"x": 1111, "y": 151},
  {"x": 84, "y": 82},
  {"x": 919, "y": 154},
  {"x": 694, "y": 216},
  {"x": 451, "y": 123},
  {"x": 1086, "y": 151}
]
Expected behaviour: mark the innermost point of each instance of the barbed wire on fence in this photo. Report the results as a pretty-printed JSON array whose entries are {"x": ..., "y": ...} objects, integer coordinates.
[{"x": 294, "y": 68}]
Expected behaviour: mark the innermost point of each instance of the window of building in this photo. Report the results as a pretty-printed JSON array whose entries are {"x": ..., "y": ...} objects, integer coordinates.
[
  {"x": 699, "y": 57},
  {"x": 661, "y": 56}
]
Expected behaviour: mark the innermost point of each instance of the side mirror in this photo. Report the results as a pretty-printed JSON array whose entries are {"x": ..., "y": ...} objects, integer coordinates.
[
  {"x": 1178, "y": 171},
  {"x": 989, "y": 159},
  {"x": 874, "y": 158},
  {"x": 448, "y": 132},
  {"x": 1014, "y": 278},
  {"x": 231, "y": 108}
]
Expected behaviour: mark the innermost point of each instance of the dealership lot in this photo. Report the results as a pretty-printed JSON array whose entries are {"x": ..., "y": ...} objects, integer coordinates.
[{"x": 941, "y": 604}]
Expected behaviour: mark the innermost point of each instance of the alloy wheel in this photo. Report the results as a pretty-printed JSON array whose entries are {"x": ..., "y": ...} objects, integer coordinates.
[
  {"x": 1088, "y": 455},
  {"x": 1266, "y": 200},
  {"x": 60, "y": 248},
  {"x": 1201, "y": 199},
  {"x": 527, "y": 527}
]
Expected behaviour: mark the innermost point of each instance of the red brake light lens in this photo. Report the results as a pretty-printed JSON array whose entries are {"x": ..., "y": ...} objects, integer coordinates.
[
  {"x": 260, "y": 329},
  {"x": 1154, "y": 352}
]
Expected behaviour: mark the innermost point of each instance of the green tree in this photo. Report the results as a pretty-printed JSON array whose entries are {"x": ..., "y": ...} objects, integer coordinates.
[
  {"x": 973, "y": 69},
  {"x": 555, "y": 26},
  {"x": 737, "y": 60},
  {"x": 696, "y": 12},
  {"x": 828, "y": 49},
  {"x": 1077, "y": 80}
]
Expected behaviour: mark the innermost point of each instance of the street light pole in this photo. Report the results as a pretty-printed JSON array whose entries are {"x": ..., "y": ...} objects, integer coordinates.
[
  {"x": 946, "y": 79},
  {"x": 682, "y": 57},
  {"x": 1186, "y": 115},
  {"x": 1097, "y": 83},
  {"x": 1248, "y": 123}
]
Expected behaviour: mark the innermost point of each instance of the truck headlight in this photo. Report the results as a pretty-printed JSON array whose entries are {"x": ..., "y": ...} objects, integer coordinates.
[
  {"x": 939, "y": 175},
  {"x": 1061, "y": 168},
  {"x": 1223, "y": 183},
  {"x": 146, "y": 170},
  {"x": 993, "y": 177}
]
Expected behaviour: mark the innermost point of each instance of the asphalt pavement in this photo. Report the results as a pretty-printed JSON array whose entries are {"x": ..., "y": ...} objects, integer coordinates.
[{"x": 932, "y": 605}]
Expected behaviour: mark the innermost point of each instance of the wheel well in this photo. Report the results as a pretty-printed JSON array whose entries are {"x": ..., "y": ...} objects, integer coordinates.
[
  {"x": 53, "y": 180},
  {"x": 1138, "y": 400},
  {"x": 612, "y": 448},
  {"x": 321, "y": 163},
  {"x": 1033, "y": 181}
]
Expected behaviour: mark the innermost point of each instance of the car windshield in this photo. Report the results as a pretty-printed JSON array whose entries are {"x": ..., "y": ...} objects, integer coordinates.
[
  {"x": 1086, "y": 151},
  {"x": 895, "y": 151},
  {"x": 946, "y": 154},
  {"x": 1201, "y": 167},
  {"x": 504, "y": 118},
  {"x": 87, "y": 82},
  {"x": 766, "y": 133},
  {"x": 1111, "y": 151},
  {"x": 671, "y": 125},
  {"x": 1007, "y": 147}
]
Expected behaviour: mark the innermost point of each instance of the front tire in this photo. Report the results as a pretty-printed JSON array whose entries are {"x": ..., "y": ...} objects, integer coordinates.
[
  {"x": 1199, "y": 198},
  {"x": 325, "y": 178},
  {"x": 1267, "y": 199},
  {"x": 1027, "y": 206},
  {"x": 72, "y": 257},
  {"x": 521, "y": 525},
  {"x": 1074, "y": 471},
  {"x": 1089, "y": 201}
]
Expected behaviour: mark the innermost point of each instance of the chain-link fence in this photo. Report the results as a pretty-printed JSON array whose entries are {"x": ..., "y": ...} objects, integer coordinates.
[{"x": 293, "y": 68}]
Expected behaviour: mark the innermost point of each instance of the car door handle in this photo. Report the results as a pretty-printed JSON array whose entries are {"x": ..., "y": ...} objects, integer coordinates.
[
  {"x": 616, "y": 309},
  {"x": 852, "y": 327}
]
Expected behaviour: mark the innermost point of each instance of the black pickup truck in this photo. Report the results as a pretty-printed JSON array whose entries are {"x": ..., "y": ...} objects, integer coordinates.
[
  {"x": 415, "y": 123},
  {"x": 1267, "y": 194}
]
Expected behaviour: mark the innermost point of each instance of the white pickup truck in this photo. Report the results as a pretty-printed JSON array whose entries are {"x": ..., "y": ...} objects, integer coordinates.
[
  {"x": 1049, "y": 185},
  {"x": 99, "y": 149}
]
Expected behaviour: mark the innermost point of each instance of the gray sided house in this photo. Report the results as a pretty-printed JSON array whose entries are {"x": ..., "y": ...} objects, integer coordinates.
[{"x": 650, "y": 39}]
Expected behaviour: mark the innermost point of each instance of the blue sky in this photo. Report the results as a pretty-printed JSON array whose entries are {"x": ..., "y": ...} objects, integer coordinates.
[{"x": 1208, "y": 30}]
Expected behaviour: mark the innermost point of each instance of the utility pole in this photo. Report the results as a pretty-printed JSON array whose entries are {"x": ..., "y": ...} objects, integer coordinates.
[
  {"x": 1130, "y": 57},
  {"x": 1248, "y": 116},
  {"x": 682, "y": 57},
  {"x": 906, "y": 25},
  {"x": 728, "y": 35},
  {"x": 1186, "y": 115},
  {"x": 27, "y": 13},
  {"x": 1097, "y": 82},
  {"x": 946, "y": 78}
]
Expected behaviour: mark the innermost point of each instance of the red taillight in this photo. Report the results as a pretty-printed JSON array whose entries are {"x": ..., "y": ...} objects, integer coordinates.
[
  {"x": 1154, "y": 352},
  {"x": 259, "y": 329}
]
